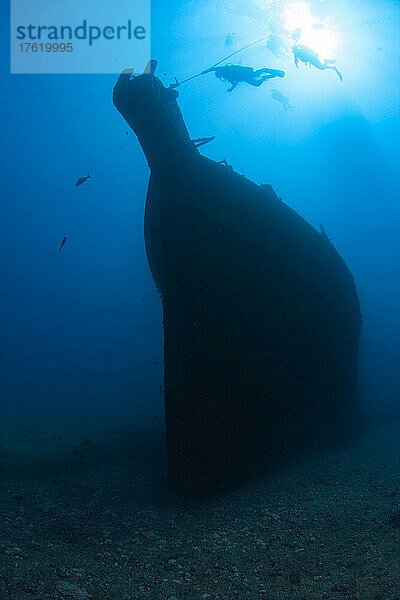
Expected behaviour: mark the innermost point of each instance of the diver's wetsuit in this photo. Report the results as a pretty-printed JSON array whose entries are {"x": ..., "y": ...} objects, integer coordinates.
[
  {"x": 234, "y": 74},
  {"x": 310, "y": 57}
]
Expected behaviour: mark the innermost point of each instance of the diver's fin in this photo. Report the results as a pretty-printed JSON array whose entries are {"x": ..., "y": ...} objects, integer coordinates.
[
  {"x": 338, "y": 73},
  {"x": 150, "y": 67},
  {"x": 276, "y": 72}
]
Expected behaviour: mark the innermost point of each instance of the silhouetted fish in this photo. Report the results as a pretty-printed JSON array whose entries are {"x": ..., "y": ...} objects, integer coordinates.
[
  {"x": 82, "y": 180},
  {"x": 62, "y": 243}
]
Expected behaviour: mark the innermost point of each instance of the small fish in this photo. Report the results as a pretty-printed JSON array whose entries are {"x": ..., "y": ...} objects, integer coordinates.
[
  {"x": 62, "y": 243},
  {"x": 82, "y": 180},
  {"x": 126, "y": 133}
]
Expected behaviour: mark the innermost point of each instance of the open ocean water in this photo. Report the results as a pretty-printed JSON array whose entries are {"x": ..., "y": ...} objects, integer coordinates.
[{"x": 86, "y": 508}]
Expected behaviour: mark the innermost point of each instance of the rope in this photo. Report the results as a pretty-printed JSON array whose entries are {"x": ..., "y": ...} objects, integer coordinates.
[{"x": 178, "y": 83}]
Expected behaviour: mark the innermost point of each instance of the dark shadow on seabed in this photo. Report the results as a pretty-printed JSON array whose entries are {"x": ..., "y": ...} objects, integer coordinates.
[{"x": 133, "y": 464}]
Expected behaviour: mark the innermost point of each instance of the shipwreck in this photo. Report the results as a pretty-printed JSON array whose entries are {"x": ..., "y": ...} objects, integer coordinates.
[{"x": 261, "y": 315}]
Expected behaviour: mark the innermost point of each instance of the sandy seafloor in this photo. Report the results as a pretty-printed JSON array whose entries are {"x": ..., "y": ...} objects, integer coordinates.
[{"x": 86, "y": 513}]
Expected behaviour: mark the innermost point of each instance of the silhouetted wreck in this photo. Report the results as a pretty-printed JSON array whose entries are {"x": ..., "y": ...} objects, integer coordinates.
[{"x": 261, "y": 314}]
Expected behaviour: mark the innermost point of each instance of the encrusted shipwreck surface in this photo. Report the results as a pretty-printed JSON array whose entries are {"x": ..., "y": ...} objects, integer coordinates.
[{"x": 261, "y": 314}]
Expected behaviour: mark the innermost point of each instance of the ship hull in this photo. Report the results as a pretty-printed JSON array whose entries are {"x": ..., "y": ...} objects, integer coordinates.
[{"x": 261, "y": 324}]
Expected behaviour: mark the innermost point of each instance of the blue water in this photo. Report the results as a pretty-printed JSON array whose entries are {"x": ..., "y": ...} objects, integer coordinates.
[{"x": 81, "y": 329}]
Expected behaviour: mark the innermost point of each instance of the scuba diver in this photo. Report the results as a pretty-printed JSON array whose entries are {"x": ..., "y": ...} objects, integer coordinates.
[
  {"x": 310, "y": 57},
  {"x": 277, "y": 95},
  {"x": 234, "y": 74}
]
